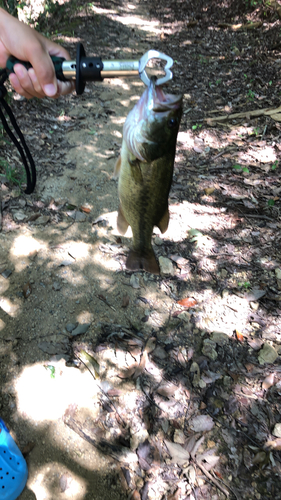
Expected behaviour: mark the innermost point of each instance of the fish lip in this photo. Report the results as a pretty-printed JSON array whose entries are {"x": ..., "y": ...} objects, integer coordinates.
[{"x": 158, "y": 101}]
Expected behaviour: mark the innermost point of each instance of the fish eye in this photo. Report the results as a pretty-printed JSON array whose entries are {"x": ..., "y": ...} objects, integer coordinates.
[{"x": 172, "y": 122}]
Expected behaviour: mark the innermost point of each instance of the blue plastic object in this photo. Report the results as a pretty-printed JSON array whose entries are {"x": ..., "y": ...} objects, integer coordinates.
[{"x": 13, "y": 468}]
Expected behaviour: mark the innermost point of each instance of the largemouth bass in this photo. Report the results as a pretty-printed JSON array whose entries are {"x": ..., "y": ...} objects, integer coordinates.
[{"x": 145, "y": 169}]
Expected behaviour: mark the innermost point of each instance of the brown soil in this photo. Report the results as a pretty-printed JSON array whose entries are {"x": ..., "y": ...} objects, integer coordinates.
[{"x": 170, "y": 374}]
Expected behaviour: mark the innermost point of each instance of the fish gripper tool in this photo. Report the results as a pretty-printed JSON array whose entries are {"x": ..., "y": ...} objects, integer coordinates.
[{"x": 91, "y": 69}]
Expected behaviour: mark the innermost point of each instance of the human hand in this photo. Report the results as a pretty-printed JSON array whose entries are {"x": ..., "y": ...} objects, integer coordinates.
[{"x": 23, "y": 42}]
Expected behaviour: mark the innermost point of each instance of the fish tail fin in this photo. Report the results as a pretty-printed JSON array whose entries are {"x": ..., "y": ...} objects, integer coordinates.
[{"x": 136, "y": 260}]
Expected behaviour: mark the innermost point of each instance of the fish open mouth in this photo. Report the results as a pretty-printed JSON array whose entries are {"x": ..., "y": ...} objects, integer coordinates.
[{"x": 159, "y": 101}]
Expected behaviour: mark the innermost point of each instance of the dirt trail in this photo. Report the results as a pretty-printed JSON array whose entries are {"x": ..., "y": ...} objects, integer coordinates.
[{"x": 64, "y": 287}]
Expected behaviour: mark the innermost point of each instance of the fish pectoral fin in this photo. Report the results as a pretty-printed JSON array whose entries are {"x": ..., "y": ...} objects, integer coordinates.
[
  {"x": 122, "y": 224},
  {"x": 117, "y": 167},
  {"x": 148, "y": 262},
  {"x": 136, "y": 172},
  {"x": 164, "y": 222}
]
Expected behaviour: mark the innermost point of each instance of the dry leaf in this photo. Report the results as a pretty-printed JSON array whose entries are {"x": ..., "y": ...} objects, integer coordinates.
[
  {"x": 87, "y": 210},
  {"x": 249, "y": 367},
  {"x": 26, "y": 290},
  {"x": 274, "y": 445},
  {"x": 255, "y": 343},
  {"x": 209, "y": 190},
  {"x": 218, "y": 474},
  {"x": 125, "y": 301},
  {"x": 167, "y": 389},
  {"x": 201, "y": 423},
  {"x": 129, "y": 372},
  {"x": 209, "y": 459},
  {"x": 91, "y": 363},
  {"x": 195, "y": 445},
  {"x": 188, "y": 302},
  {"x": 268, "y": 381},
  {"x": 239, "y": 336},
  {"x": 135, "y": 495},
  {"x": 178, "y": 453},
  {"x": 28, "y": 448}
]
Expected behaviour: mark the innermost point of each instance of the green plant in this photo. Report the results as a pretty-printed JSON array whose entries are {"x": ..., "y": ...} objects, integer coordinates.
[
  {"x": 10, "y": 5},
  {"x": 12, "y": 174},
  {"x": 271, "y": 203},
  {"x": 246, "y": 285},
  {"x": 251, "y": 95},
  {"x": 198, "y": 125},
  {"x": 275, "y": 165}
]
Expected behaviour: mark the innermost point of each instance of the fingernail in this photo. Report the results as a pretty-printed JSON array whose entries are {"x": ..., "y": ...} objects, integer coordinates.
[{"x": 50, "y": 89}]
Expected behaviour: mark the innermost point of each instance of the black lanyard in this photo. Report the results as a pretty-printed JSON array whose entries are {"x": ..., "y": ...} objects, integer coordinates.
[{"x": 20, "y": 144}]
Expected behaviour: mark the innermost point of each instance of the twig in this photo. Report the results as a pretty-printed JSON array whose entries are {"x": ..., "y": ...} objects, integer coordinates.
[
  {"x": 212, "y": 479},
  {"x": 101, "y": 297}
]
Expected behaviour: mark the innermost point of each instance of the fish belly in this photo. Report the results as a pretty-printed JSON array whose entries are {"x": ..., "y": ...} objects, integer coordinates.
[{"x": 143, "y": 191}]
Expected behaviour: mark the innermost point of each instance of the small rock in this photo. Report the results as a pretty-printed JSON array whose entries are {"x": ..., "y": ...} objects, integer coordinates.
[
  {"x": 267, "y": 354},
  {"x": 158, "y": 241},
  {"x": 254, "y": 306},
  {"x": 209, "y": 349},
  {"x": 278, "y": 273},
  {"x": 160, "y": 353},
  {"x": 220, "y": 338},
  {"x": 224, "y": 273},
  {"x": 66, "y": 263},
  {"x": 42, "y": 220},
  {"x": 50, "y": 348},
  {"x": 6, "y": 273},
  {"x": 80, "y": 216},
  {"x": 196, "y": 371},
  {"x": 227, "y": 381},
  {"x": 65, "y": 482},
  {"x": 56, "y": 286},
  {"x": 106, "y": 96},
  {"x": 19, "y": 215},
  {"x": 135, "y": 281},
  {"x": 166, "y": 266},
  {"x": 70, "y": 327},
  {"x": 185, "y": 316},
  {"x": 80, "y": 329},
  {"x": 277, "y": 431}
]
